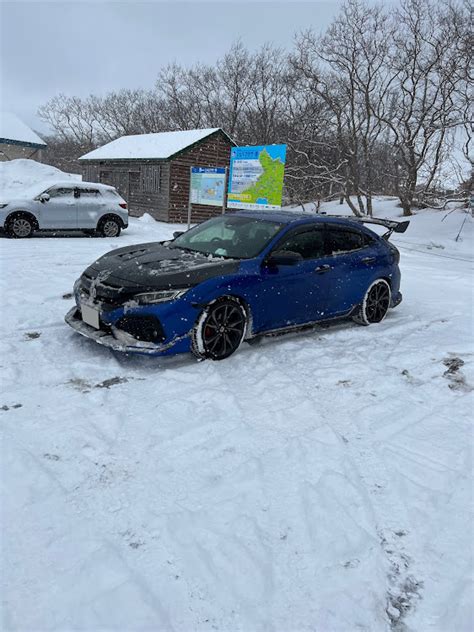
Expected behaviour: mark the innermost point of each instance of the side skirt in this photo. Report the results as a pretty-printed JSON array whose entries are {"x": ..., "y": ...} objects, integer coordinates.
[{"x": 285, "y": 330}]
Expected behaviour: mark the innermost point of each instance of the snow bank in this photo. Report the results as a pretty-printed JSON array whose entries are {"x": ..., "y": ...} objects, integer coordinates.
[{"x": 17, "y": 177}]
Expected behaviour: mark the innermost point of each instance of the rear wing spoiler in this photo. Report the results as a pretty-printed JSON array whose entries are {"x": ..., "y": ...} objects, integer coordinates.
[{"x": 392, "y": 225}]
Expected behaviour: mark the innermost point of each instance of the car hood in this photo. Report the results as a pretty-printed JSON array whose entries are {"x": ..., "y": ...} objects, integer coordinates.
[{"x": 156, "y": 266}]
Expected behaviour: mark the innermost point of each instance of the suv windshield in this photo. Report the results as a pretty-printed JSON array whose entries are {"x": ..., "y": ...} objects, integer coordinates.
[{"x": 229, "y": 236}]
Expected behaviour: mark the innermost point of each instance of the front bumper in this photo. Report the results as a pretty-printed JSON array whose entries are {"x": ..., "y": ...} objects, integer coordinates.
[{"x": 106, "y": 338}]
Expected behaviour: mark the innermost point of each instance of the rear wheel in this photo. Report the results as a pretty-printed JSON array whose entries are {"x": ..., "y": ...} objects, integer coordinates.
[
  {"x": 220, "y": 330},
  {"x": 20, "y": 226},
  {"x": 109, "y": 227},
  {"x": 376, "y": 303}
]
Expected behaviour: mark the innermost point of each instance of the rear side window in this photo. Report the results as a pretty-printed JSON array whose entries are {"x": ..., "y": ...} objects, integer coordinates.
[
  {"x": 89, "y": 193},
  {"x": 341, "y": 240},
  {"x": 309, "y": 244}
]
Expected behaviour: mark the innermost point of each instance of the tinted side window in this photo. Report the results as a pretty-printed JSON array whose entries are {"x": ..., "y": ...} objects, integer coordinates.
[
  {"x": 310, "y": 244},
  {"x": 89, "y": 193},
  {"x": 340, "y": 240}
]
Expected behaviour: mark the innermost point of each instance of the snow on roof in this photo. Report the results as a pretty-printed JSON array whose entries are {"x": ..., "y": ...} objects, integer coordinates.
[
  {"x": 142, "y": 146},
  {"x": 12, "y": 129}
]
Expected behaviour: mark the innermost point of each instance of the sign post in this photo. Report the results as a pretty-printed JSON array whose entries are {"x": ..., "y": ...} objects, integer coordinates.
[
  {"x": 256, "y": 177},
  {"x": 190, "y": 196},
  {"x": 224, "y": 196},
  {"x": 207, "y": 187}
]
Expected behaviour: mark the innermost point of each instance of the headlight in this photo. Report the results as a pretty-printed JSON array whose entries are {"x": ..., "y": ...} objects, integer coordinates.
[
  {"x": 148, "y": 298},
  {"x": 3, "y": 205}
]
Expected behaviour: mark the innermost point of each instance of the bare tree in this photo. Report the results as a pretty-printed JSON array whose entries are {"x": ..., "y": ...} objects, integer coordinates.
[
  {"x": 376, "y": 104},
  {"x": 422, "y": 103}
]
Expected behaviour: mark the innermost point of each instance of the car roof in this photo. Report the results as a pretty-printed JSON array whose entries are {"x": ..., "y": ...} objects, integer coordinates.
[
  {"x": 78, "y": 184},
  {"x": 299, "y": 217}
]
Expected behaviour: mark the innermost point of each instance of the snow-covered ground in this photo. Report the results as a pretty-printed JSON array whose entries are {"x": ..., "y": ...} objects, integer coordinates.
[{"x": 320, "y": 481}]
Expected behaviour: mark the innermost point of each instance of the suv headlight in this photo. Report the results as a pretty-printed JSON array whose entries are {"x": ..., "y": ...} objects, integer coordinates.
[
  {"x": 148, "y": 298},
  {"x": 3, "y": 205}
]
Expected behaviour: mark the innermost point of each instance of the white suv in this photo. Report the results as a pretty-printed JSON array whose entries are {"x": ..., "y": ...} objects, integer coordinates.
[{"x": 86, "y": 206}]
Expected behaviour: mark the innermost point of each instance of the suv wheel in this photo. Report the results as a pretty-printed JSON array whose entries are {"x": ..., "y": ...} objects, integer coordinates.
[
  {"x": 220, "y": 330},
  {"x": 375, "y": 305},
  {"x": 20, "y": 226},
  {"x": 109, "y": 227}
]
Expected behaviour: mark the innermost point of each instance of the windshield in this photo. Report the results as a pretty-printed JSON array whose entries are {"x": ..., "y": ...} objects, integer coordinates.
[{"x": 229, "y": 236}]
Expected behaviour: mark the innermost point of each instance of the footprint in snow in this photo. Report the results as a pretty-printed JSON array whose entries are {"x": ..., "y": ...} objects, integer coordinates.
[
  {"x": 456, "y": 378},
  {"x": 111, "y": 382},
  {"x": 51, "y": 457},
  {"x": 83, "y": 386},
  {"x": 32, "y": 335},
  {"x": 5, "y": 407}
]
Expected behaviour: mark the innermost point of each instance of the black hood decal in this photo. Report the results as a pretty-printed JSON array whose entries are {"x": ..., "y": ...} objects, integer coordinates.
[{"x": 156, "y": 266}]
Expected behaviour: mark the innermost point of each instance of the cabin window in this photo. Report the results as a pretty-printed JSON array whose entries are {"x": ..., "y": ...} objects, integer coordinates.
[
  {"x": 151, "y": 176},
  {"x": 133, "y": 182}
]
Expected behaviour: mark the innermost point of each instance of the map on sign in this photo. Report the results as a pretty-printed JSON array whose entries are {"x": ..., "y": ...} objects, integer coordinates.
[
  {"x": 256, "y": 177},
  {"x": 208, "y": 185}
]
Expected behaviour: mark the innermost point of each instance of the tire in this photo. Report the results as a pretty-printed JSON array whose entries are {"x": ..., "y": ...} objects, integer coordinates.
[
  {"x": 20, "y": 226},
  {"x": 376, "y": 303},
  {"x": 219, "y": 330},
  {"x": 109, "y": 227}
]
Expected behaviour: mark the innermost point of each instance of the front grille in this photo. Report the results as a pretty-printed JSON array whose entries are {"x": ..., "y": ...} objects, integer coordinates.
[
  {"x": 102, "y": 292},
  {"x": 146, "y": 328}
]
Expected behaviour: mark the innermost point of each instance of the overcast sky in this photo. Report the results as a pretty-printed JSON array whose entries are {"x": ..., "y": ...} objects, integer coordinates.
[{"x": 80, "y": 48}]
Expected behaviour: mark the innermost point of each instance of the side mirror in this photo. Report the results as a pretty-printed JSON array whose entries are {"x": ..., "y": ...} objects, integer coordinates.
[
  {"x": 284, "y": 258},
  {"x": 44, "y": 197},
  {"x": 177, "y": 233}
]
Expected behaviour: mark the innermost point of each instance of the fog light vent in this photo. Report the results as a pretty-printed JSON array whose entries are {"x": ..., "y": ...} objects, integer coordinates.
[{"x": 146, "y": 328}]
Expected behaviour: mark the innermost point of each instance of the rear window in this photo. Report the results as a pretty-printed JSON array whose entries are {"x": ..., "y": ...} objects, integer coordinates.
[
  {"x": 342, "y": 240},
  {"x": 110, "y": 193}
]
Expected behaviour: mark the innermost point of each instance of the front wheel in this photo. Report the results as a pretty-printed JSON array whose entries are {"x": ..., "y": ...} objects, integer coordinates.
[
  {"x": 220, "y": 330},
  {"x": 375, "y": 305},
  {"x": 19, "y": 226}
]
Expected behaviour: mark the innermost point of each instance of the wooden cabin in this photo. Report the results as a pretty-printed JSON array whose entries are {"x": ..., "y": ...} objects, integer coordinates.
[{"x": 152, "y": 171}]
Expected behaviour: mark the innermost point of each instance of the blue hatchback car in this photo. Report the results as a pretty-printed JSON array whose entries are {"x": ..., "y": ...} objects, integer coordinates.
[{"x": 237, "y": 277}]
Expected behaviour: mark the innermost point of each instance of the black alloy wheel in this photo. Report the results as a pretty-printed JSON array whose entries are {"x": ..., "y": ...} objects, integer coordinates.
[
  {"x": 220, "y": 332},
  {"x": 376, "y": 303}
]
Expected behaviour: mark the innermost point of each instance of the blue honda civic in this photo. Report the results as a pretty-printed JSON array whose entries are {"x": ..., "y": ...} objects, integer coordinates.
[{"x": 238, "y": 277}]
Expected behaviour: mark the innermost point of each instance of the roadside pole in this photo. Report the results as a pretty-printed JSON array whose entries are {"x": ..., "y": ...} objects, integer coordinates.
[
  {"x": 224, "y": 197},
  {"x": 189, "y": 200}
]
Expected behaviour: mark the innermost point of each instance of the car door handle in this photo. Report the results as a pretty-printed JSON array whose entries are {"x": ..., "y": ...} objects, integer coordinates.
[
  {"x": 368, "y": 260},
  {"x": 322, "y": 269}
]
